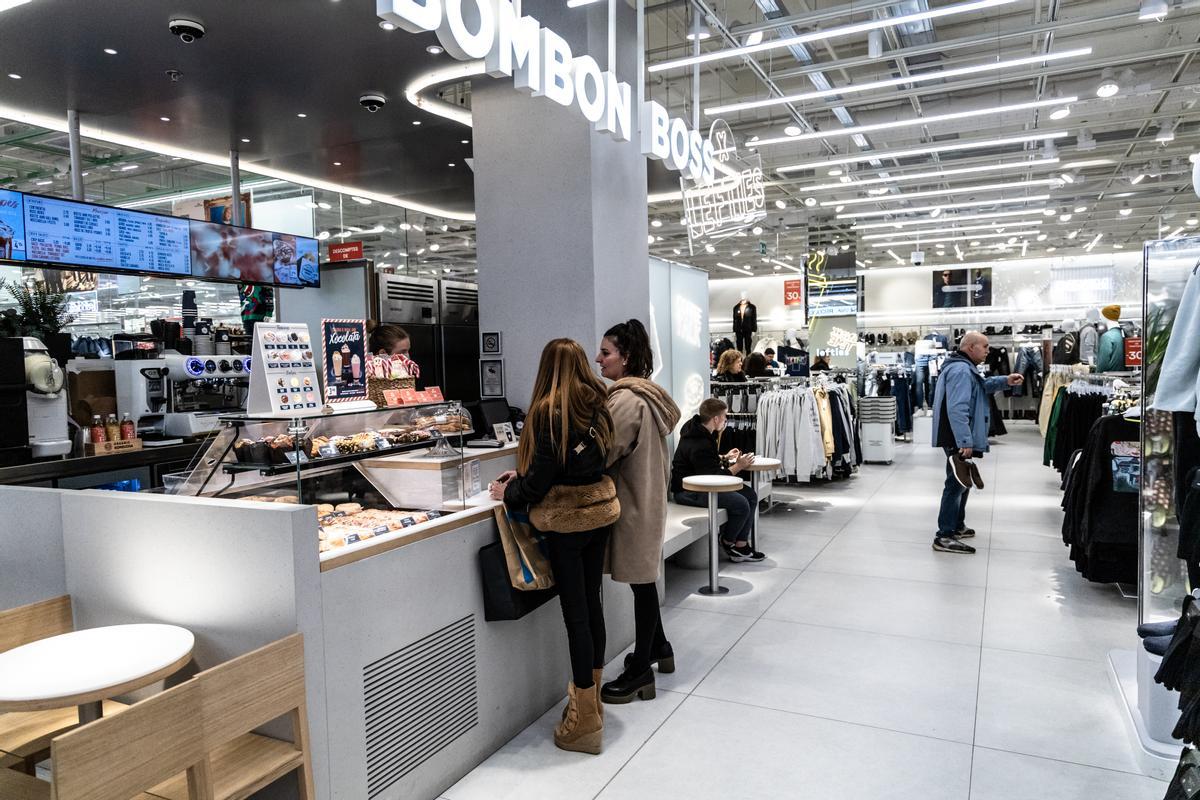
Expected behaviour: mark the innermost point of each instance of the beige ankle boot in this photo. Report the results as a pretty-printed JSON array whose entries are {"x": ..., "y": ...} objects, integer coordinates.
[
  {"x": 582, "y": 729},
  {"x": 597, "y": 678}
]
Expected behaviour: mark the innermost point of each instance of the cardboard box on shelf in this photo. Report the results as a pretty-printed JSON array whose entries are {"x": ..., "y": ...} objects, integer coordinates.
[{"x": 111, "y": 448}]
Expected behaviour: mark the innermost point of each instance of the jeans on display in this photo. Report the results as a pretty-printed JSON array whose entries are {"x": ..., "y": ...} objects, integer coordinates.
[
  {"x": 578, "y": 563},
  {"x": 739, "y": 508},
  {"x": 901, "y": 390},
  {"x": 921, "y": 380},
  {"x": 952, "y": 517},
  {"x": 743, "y": 342}
]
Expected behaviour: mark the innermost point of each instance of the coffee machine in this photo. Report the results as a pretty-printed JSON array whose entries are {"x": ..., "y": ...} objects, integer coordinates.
[
  {"x": 142, "y": 393},
  {"x": 45, "y": 401},
  {"x": 200, "y": 389}
]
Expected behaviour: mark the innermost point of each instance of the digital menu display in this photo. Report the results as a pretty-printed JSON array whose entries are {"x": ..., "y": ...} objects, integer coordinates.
[
  {"x": 106, "y": 239},
  {"x": 86, "y": 235},
  {"x": 226, "y": 253},
  {"x": 12, "y": 226}
]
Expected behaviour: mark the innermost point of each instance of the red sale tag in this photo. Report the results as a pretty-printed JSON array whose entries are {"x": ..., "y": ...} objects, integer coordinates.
[
  {"x": 792, "y": 293},
  {"x": 1133, "y": 352}
]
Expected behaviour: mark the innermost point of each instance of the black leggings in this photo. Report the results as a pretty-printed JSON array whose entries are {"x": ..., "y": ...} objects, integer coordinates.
[
  {"x": 578, "y": 563},
  {"x": 647, "y": 619}
]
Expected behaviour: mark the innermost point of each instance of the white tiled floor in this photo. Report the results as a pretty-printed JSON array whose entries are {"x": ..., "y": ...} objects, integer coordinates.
[{"x": 858, "y": 663}]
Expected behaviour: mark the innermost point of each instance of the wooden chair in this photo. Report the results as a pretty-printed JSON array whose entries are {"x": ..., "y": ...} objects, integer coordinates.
[
  {"x": 25, "y": 736},
  {"x": 194, "y": 741}
]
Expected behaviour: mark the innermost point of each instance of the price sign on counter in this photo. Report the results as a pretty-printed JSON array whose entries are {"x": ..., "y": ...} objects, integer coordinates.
[
  {"x": 1133, "y": 352},
  {"x": 793, "y": 293}
]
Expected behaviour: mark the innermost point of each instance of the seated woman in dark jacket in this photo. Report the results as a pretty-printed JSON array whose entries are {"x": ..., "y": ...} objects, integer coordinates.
[
  {"x": 697, "y": 454},
  {"x": 560, "y": 479}
]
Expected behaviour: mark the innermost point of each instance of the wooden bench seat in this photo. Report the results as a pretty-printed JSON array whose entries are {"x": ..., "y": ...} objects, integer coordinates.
[
  {"x": 240, "y": 768},
  {"x": 27, "y": 734}
]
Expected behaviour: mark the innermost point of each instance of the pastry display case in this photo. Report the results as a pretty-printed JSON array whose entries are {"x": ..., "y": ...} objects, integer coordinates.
[{"x": 370, "y": 474}]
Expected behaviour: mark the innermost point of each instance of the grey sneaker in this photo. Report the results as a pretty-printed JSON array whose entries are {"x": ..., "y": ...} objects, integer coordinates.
[
  {"x": 965, "y": 533},
  {"x": 948, "y": 544}
]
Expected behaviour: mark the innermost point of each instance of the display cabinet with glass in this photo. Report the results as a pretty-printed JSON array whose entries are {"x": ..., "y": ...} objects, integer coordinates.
[{"x": 369, "y": 474}]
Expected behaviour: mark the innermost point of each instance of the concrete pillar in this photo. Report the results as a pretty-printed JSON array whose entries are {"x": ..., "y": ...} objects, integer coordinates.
[{"x": 561, "y": 209}]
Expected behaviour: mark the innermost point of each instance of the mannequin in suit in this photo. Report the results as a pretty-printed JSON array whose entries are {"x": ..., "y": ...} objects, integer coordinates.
[{"x": 745, "y": 323}]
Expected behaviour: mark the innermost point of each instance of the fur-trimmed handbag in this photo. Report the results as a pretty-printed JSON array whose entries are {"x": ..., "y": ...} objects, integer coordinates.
[{"x": 574, "y": 509}]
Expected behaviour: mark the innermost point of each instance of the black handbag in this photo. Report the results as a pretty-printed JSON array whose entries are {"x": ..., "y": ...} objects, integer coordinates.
[{"x": 500, "y": 600}]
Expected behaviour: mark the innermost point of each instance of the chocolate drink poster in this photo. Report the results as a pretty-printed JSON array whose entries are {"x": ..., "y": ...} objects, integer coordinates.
[{"x": 344, "y": 358}]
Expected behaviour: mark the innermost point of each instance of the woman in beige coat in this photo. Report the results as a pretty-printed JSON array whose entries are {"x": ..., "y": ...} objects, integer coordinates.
[{"x": 640, "y": 465}]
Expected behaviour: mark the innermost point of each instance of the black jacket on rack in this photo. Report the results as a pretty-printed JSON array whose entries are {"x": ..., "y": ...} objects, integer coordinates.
[
  {"x": 1101, "y": 523},
  {"x": 1066, "y": 349}
]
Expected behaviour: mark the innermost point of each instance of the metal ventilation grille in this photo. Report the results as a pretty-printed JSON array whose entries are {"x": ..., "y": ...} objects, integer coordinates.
[
  {"x": 407, "y": 291},
  {"x": 417, "y": 701},
  {"x": 453, "y": 294}
]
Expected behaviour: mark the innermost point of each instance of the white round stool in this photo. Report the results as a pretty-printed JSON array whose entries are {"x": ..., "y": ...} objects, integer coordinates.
[
  {"x": 712, "y": 485},
  {"x": 762, "y": 467}
]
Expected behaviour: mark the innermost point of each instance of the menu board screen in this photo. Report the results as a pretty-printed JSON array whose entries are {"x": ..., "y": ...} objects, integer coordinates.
[
  {"x": 12, "y": 226},
  {"x": 224, "y": 252},
  {"x": 85, "y": 235}
]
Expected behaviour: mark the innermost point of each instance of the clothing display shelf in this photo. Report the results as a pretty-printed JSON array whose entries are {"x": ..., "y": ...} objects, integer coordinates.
[{"x": 263, "y": 450}]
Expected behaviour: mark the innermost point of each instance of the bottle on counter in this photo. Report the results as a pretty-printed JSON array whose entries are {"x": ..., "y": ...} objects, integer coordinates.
[
  {"x": 112, "y": 428},
  {"x": 97, "y": 433},
  {"x": 128, "y": 430}
]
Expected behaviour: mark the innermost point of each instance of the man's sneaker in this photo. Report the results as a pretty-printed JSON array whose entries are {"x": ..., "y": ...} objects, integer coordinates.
[
  {"x": 947, "y": 544},
  {"x": 748, "y": 553},
  {"x": 740, "y": 554},
  {"x": 729, "y": 550},
  {"x": 961, "y": 468},
  {"x": 965, "y": 533},
  {"x": 976, "y": 478}
]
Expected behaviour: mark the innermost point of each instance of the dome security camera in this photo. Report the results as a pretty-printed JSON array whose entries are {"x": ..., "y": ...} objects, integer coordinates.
[
  {"x": 917, "y": 257},
  {"x": 188, "y": 30},
  {"x": 372, "y": 101}
]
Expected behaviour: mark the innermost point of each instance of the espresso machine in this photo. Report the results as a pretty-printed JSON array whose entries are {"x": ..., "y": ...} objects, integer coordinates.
[
  {"x": 142, "y": 393},
  {"x": 198, "y": 390}
]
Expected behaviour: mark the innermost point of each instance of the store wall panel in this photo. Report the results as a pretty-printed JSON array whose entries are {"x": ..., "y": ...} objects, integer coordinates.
[
  {"x": 32, "y": 567},
  {"x": 238, "y": 575},
  {"x": 384, "y": 604}
]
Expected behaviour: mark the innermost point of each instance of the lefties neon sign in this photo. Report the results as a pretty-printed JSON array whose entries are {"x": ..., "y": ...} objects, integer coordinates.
[{"x": 540, "y": 62}]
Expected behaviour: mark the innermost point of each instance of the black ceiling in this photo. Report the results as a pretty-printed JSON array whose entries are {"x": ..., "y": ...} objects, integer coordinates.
[{"x": 260, "y": 64}]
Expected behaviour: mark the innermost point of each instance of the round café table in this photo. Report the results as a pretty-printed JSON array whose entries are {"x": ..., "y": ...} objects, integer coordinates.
[
  {"x": 712, "y": 485},
  {"x": 86, "y": 667},
  {"x": 761, "y": 467}
]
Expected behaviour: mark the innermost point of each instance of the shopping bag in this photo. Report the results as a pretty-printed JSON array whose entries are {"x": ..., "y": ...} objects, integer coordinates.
[{"x": 524, "y": 552}]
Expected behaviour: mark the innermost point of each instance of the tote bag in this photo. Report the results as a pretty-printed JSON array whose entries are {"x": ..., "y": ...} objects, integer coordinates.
[{"x": 524, "y": 552}]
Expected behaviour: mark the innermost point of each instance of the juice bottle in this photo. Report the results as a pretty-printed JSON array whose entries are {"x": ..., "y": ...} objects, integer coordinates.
[
  {"x": 128, "y": 431},
  {"x": 112, "y": 428},
  {"x": 97, "y": 432}
]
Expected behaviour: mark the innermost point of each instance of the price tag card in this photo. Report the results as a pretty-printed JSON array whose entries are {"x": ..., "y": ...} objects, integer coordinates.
[
  {"x": 409, "y": 397},
  {"x": 434, "y": 394},
  {"x": 283, "y": 370}
]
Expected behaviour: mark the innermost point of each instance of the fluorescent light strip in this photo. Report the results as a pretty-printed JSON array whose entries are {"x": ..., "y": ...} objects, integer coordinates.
[
  {"x": 919, "y": 241},
  {"x": 1094, "y": 162},
  {"x": 786, "y": 265},
  {"x": 222, "y": 160},
  {"x": 578, "y": 3},
  {"x": 738, "y": 270},
  {"x": 1090, "y": 245},
  {"x": 988, "y": 227},
  {"x": 893, "y": 255},
  {"x": 914, "y": 121},
  {"x": 1027, "y": 212},
  {"x": 983, "y": 187},
  {"x": 933, "y": 147},
  {"x": 1000, "y": 201},
  {"x": 831, "y": 33},
  {"x": 890, "y": 82},
  {"x": 932, "y": 176}
]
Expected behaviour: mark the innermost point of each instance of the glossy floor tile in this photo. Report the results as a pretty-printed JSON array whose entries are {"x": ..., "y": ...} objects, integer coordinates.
[{"x": 856, "y": 662}]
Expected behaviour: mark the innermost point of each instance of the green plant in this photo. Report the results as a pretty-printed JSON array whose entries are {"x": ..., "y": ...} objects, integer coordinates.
[
  {"x": 41, "y": 311},
  {"x": 1154, "y": 346}
]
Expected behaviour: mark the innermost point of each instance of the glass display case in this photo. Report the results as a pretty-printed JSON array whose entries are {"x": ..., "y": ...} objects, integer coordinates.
[
  {"x": 368, "y": 473},
  {"x": 1164, "y": 579}
]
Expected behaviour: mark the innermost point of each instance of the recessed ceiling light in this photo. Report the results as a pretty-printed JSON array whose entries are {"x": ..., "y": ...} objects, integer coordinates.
[
  {"x": 434, "y": 50},
  {"x": 245, "y": 141},
  {"x": 387, "y": 26},
  {"x": 110, "y": 51},
  {"x": 416, "y": 122},
  {"x": 14, "y": 76},
  {"x": 324, "y": 206},
  {"x": 337, "y": 163},
  {"x": 1080, "y": 209},
  {"x": 810, "y": 201},
  {"x": 833, "y": 173},
  {"x": 451, "y": 164},
  {"x": 165, "y": 119},
  {"x": 780, "y": 204},
  {"x": 302, "y": 116},
  {"x": 757, "y": 230},
  {"x": 1125, "y": 209},
  {"x": 360, "y": 200},
  {"x": 793, "y": 130},
  {"x": 1108, "y": 85},
  {"x": 435, "y": 247},
  {"x": 656, "y": 223},
  {"x": 466, "y": 141},
  {"x": 43, "y": 183},
  {"x": 1191, "y": 221}
]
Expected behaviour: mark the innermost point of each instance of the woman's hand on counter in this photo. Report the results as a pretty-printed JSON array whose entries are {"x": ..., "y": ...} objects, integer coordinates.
[{"x": 496, "y": 487}]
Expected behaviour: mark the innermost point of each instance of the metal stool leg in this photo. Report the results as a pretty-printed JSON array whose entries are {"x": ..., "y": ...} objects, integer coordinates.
[
  {"x": 714, "y": 586},
  {"x": 754, "y": 533}
]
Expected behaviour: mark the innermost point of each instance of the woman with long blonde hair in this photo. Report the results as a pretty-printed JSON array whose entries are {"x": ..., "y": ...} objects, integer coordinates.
[{"x": 560, "y": 479}]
